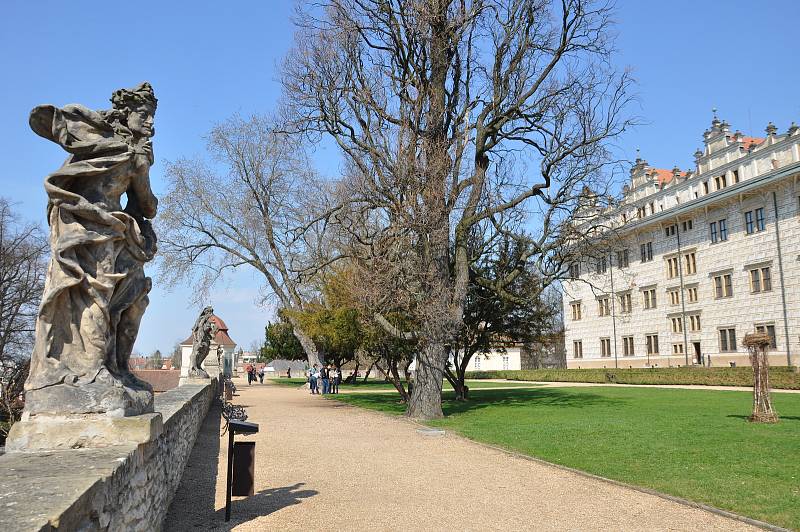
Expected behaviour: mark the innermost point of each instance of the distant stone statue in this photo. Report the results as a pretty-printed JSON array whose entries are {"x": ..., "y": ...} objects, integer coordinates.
[
  {"x": 203, "y": 333},
  {"x": 96, "y": 290}
]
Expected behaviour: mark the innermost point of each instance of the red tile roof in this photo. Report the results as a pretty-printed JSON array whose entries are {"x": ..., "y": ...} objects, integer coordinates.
[
  {"x": 748, "y": 142},
  {"x": 665, "y": 176},
  {"x": 160, "y": 379}
]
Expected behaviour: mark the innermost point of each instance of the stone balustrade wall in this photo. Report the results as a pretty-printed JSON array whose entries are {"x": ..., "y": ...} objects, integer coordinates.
[{"x": 126, "y": 487}]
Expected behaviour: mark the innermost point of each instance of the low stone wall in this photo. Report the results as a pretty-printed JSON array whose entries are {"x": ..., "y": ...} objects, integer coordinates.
[{"x": 125, "y": 487}]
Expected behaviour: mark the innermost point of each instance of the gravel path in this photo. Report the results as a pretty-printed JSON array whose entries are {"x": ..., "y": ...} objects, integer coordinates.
[{"x": 321, "y": 464}]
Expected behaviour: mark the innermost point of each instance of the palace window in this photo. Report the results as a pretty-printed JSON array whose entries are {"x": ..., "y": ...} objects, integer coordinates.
[
  {"x": 600, "y": 265},
  {"x": 576, "y": 310},
  {"x": 651, "y": 344},
  {"x": 674, "y": 296},
  {"x": 705, "y": 187},
  {"x": 672, "y": 267},
  {"x": 687, "y": 225},
  {"x": 670, "y": 230},
  {"x": 623, "y": 258},
  {"x": 577, "y": 349},
  {"x": 627, "y": 346},
  {"x": 691, "y": 263},
  {"x": 723, "y": 286},
  {"x": 735, "y": 176},
  {"x": 575, "y": 270},
  {"x": 646, "y": 251},
  {"x": 692, "y": 294},
  {"x": 769, "y": 330},
  {"x": 694, "y": 322},
  {"x": 649, "y": 298},
  {"x": 605, "y": 347},
  {"x": 754, "y": 221},
  {"x": 760, "y": 280},
  {"x": 719, "y": 231},
  {"x": 677, "y": 349},
  {"x": 677, "y": 324},
  {"x": 477, "y": 361},
  {"x": 505, "y": 362},
  {"x": 721, "y": 182},
  {"x": 604, "y": 305},
  {"x": 625, "y": 302},
  {"x": 727, "y": 339}
]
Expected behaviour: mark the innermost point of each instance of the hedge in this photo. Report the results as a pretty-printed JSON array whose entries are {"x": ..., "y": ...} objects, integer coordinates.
[{"x": 779, "y": 377}]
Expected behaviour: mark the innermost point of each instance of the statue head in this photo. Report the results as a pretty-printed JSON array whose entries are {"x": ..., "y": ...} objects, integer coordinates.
[{"x": 136, "y": 108}]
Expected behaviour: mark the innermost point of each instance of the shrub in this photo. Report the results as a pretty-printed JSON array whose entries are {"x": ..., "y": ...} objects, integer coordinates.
[{"x": 780, "y": 377}]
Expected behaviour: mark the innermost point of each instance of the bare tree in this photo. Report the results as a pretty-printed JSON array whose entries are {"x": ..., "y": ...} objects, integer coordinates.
[
  {"x": 454, "y": 115},
  {"x": 252, "y": 205},
  {"x": 177, "y": 356},
  {"x": 23, "y": 250}
]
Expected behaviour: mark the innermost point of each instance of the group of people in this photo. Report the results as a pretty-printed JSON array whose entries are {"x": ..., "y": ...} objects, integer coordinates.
[
  {"x": 254, "y": 374},
  {"x": 327, "y": 376}
]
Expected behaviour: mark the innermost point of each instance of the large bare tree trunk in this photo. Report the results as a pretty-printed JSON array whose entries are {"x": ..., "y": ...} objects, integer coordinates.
[
  {"x": 426, "y": 398},
  {"x": 757, "y": 345},
  {"x": 305, "y": 340}
]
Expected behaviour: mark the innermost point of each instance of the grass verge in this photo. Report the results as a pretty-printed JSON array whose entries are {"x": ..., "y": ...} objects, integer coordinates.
[
  {"x": 694, "y": 444},
  {"x": 779, "y": 377}
]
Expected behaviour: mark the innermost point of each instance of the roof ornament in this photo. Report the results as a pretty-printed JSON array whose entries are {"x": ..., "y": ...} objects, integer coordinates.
[
  {"x": 793, "y": 128},
  {"x": 771, "y": 129},
  {"x": 715, "y": 123}
]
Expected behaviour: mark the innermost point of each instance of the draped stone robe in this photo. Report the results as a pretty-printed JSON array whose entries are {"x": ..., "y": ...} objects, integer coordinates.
[{"x": 96, "y": 291}]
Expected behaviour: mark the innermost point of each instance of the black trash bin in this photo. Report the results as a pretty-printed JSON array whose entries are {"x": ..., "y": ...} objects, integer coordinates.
[{"x": 244, "y": 463}]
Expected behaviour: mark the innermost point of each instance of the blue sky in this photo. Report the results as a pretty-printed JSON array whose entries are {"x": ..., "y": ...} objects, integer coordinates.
[{"x": 208, "y": 60}]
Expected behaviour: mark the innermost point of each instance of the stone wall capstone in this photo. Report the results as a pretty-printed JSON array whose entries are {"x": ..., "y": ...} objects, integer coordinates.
[{"x": 126, "y": 487}]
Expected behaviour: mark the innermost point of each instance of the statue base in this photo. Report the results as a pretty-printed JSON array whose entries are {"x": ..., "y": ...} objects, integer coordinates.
[
  {"x": 114, "y": 396},
  {"x": 49, "y": 433},
  {"x": 193, "y": 379}
]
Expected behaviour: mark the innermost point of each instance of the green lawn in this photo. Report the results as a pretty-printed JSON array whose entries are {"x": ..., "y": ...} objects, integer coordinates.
[
  {"x": 377, "y": 385},
  {"x": 694, "y": 444}
]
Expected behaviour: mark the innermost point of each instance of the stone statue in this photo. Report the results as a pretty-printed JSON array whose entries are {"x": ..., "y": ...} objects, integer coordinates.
[
  {"x": 203, "y": 333},
  {"x": 96, "y": 290}
]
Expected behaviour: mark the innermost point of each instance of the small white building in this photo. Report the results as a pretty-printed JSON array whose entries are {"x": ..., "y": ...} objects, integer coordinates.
[
  {"x": 242, "y": 359},
  {"x": 497, "y": 359},
  {"x": 211, "y": 365}
]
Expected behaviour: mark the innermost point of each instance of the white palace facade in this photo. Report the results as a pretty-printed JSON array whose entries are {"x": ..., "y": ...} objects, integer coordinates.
[{"x": 700, "y": 258}]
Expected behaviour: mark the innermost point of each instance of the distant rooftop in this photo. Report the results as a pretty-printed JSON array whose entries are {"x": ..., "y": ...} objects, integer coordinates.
[{"x": 222, "y": 337}]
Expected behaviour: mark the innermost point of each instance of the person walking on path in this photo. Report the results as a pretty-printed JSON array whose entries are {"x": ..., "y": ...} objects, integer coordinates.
[
  {"x": 312, "y": 379},
  {"x": 325, "y": 372},
  {"x": 261, "y": 375},
  {"x": 249, "y": 369}
]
